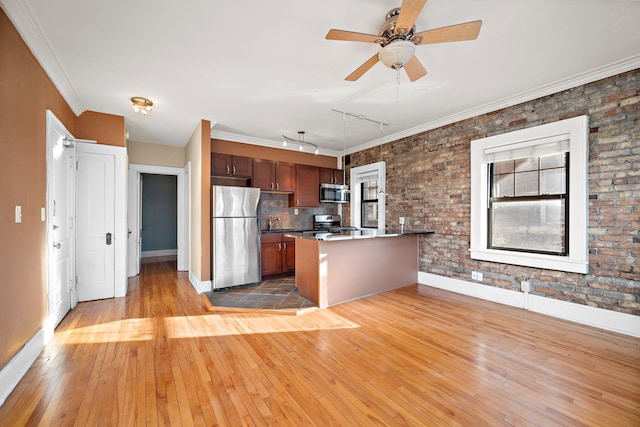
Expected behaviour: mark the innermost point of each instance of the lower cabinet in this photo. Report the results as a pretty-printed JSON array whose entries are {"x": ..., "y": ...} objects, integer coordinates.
[
  {"x": 278, "y": 254},
  {"x": 288, "y": 254}
]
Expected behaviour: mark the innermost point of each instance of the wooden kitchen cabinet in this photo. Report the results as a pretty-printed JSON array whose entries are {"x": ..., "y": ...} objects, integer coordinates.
[
  {"x": 273, "y": 176},
  {"x": 227, "y": 165},
  {"x": 288, "y": 254},
  {"x": 307, "y": 194},
  {"x": 331, "y": 176},
  {"x": 278, "y": 254},
  {"x": 271, "y": 254}
]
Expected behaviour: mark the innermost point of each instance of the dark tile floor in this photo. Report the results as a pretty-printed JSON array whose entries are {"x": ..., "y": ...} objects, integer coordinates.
[{"x": 276, "y": 294}]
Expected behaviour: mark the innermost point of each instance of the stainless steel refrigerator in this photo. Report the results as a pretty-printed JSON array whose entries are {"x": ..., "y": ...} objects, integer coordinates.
[{"x": 235, "y": 236}]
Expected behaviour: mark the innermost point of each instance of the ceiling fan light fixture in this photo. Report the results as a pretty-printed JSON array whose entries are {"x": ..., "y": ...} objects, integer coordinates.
[
  {"x": 141, "y": 105},
  {"x": 397, "y": 53}
]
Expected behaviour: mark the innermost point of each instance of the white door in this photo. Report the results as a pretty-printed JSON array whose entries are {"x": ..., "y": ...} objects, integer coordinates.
[
  {"x": 60, "y": 218},
  {"x": 96, "y": 226}
]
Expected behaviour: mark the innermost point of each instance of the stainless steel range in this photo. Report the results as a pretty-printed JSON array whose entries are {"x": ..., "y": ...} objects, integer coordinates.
[{"x": 330, "y": 224}]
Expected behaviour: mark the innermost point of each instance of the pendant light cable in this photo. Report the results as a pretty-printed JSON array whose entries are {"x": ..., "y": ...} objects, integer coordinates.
[
  {"x": 381, "y": 191},
  {"x": 397, "y": 91},
  {"x": 344, "y": 147}
]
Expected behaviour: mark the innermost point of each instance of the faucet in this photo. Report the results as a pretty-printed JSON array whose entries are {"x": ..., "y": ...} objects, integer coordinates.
[{"x": 271, "y": 222}]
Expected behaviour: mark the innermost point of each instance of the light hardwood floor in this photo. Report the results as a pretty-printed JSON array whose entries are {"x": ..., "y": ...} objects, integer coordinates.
[{"x": 408, "y": 357}]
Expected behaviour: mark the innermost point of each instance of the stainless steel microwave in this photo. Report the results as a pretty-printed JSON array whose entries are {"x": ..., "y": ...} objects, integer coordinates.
[{"x": 334, "y": 193}]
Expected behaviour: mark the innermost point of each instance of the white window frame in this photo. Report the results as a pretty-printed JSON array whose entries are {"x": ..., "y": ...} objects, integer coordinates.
[
  {"x": 362, "y": 174},
  {"x": 577, "y": 130}
]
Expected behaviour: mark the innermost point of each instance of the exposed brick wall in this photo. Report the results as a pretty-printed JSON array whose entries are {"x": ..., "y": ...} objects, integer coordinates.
[{"x": 428, "y": 182}]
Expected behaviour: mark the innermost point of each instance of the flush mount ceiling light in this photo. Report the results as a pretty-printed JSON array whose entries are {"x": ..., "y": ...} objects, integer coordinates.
[
  {"x": 302, "y": 143},
  {"x": 141, "y": 105}
]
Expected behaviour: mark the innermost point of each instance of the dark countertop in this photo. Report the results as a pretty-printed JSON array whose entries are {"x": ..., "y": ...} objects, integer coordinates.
[
  {"x": 283, "y": 230},
  {"x": 353, "y": 235}
]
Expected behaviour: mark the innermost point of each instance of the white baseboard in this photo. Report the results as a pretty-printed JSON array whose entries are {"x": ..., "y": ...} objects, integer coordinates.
[
  {"x": 13, "y": 371},
  {"x": 163, "y": 252},
  {"x": 199, "y": 286},
  {"x": 623, "y": 323}
]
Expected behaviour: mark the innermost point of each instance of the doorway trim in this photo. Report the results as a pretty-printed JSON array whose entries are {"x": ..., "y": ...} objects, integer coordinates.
[{"x": 135, "y": 170}]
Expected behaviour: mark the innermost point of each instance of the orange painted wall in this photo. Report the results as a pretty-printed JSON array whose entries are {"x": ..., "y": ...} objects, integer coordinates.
[
  {"x": 25, "y": 94},
  {"x": 257, "y": 152},
  {"x": 105, "y": 128}
]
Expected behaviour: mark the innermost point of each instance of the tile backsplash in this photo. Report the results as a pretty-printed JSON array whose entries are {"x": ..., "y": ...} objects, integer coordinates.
[{"x": 277, "y": 206}]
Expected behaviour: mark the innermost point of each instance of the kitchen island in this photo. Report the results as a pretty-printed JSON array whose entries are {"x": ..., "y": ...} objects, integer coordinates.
[{"x": 332, "y": 268}]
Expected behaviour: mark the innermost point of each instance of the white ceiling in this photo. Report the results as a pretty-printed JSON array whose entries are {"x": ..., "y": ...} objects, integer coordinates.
[{"x": 260, "y": 69}]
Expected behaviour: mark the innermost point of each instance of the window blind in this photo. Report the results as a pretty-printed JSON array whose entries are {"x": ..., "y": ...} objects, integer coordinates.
[{"x": 530, "y": 148}]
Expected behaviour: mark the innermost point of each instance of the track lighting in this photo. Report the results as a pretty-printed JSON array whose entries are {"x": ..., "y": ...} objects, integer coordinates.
[{"x": 301, "y": 142}]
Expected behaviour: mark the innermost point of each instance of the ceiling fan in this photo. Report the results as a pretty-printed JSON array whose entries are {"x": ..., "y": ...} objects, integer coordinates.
[{"x": 398, "y": 39}]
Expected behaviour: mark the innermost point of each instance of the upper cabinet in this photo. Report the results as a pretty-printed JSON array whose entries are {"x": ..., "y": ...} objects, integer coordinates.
[
  {"x": 331, "y": 176},
  {"x": 307, "y": 193},
  {"x": 232, "y": 166},
  {"x": 273, "y": 176}
]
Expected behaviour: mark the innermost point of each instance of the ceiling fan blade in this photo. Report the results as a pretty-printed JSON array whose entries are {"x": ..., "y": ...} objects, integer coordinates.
[
  {"x": 350, "y": 36},
  {"x": 452, "y": 33},
  {"x": 409, "y": 12},
  {"x": 414, "y": 69},
  {"x": 362, "y": 69}
]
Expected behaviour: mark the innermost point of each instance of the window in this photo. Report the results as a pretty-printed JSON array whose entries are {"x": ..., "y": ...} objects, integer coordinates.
[
  {"x": 367, "y": 200},
  {"x": 529, "y": 197},
  {"x": 527, "y": 204},
  {"x": 369, "y": 204}
]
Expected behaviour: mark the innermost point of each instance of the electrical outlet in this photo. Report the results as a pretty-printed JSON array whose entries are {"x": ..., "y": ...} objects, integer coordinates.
[
  {"x": 476, "y": 275},
  {"x": 525, "y": 286},
  {"x": 18, "y": 214},
  {"x": 295, "y": 211},
  {"x": 401, "y": 220}
]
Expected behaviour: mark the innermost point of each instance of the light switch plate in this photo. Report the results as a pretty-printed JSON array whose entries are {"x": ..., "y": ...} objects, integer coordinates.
[
  {"x": 18, "y": 214},
  {"x": 43, "y": 214}
]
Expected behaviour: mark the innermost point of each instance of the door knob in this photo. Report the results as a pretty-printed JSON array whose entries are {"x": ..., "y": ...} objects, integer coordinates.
[
  {"x": 108, "y": 238},
  {"x": 56, "y": 245}
]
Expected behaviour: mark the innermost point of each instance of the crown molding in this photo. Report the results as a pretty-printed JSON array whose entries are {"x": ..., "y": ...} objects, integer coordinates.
[
  {"x": 618, "y": 67},
  {"x": 234, "y": 137},
  {"x": 29, "y": 28}
]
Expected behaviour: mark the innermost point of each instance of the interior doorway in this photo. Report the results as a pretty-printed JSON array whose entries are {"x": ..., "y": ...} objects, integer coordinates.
[
  {"x": 159, "y": 202},
  {"x": 135, "y": 211}
]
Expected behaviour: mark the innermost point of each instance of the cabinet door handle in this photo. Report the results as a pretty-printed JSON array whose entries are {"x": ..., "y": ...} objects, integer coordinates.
[
  {"x": 272, "y": 185},
  {"x": 234, "y": 170},
  {"x": 277, "y": 185},
  {"x": 280, "y": 246},
  {"x": 227, "y": 169},
  {"x": 285, "y": 246}
]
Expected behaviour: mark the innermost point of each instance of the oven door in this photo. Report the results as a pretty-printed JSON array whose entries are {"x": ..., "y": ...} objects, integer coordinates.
[{"x": 334, "y": 193}]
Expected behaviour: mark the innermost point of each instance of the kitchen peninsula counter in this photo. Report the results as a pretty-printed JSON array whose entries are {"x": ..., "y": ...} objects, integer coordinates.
[{"x": 332, "y": 268}]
